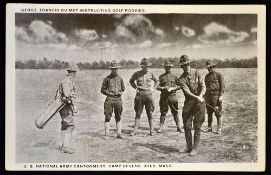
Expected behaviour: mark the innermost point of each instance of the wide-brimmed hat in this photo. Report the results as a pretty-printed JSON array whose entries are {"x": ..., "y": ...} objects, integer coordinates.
[
  {"x": 183, "y": 60},
  {"x": 167, "y": 63},
  {"x": 114, "y": 65},
  {"x": 145, "y": 62},
  {"x": 72, "y": 68},
  {"x": 210, "y": 63}
]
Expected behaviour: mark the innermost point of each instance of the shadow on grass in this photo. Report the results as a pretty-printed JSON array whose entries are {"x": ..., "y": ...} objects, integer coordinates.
[{"x": 159, "y": 148}]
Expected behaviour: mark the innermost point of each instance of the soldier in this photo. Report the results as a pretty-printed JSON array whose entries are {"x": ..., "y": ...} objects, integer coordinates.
[
  {"x": 168, "y": 87},
  {"x": 214, "y": 90},
  {"x": 66, "y": 92},
  {"x": 113, "y": 87},
  {"x": 144, "y": 91},
  {"x": 192, "y": 85}
]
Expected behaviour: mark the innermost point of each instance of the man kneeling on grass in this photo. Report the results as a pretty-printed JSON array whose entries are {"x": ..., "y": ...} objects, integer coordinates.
[{"x": 113, "y": 87}]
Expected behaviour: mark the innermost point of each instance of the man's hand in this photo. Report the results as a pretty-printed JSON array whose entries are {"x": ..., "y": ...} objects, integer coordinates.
[
  {"x": 75, "y": 108},
  {"x": 220, "y": 98},
  {"x": 118, "y": 93},
  {"x": 152, "y": 90},
  {"x": 170, "y": 89},
  {"x": 200, "y": 99}
]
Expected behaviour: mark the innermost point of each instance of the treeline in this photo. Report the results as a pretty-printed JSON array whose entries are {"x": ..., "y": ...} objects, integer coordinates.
[{"x": 129, "y": 64}]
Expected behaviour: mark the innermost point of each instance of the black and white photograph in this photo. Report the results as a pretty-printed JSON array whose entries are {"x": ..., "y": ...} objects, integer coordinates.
[{"x": 135, "y": 87}]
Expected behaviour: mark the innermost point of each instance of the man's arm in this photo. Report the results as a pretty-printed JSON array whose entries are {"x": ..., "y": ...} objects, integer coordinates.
[
  {"x": 66, "y": 88},
  {"x": 104, "y": 88},
  {"x": 202, "y": 85},
  {"x": 185, "y": 88},
  {"x": 177, "y": 87},
  {"x": 221, "y": 84},
  {"x": 122, "y": 85},
  {"x": 159, "y": 87},
  {"x": 132, "y": 81},
  {"x": 156, "y": 81}
]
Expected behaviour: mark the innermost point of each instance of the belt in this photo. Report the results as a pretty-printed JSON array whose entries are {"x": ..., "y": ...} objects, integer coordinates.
[{"x": 143, "y": 90}]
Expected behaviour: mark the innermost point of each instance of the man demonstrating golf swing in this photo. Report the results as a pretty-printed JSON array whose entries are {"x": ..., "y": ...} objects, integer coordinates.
[{"x": 192, "y": 85}]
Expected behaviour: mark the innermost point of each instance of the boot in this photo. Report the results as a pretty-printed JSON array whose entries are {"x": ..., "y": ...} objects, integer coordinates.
[
  {"x": 66, "y": 144},
  {"x": 135, "y": 127},
  {"x": 196, "y": 142},
  {"x": 209, "y": 128},
  {"x": 162, "y": 120},
  {"x": 161, "y": 128},
  {"x": 119, "y": 136},
  {"x": 62, "y": 140},
  {"x": 106, "y": 129},
  {"x": 219, "y": 125},
  {"x": 188, "y": 137},
  {"x": 151, "y": 127},
  {"x": 177, "y": 121}
]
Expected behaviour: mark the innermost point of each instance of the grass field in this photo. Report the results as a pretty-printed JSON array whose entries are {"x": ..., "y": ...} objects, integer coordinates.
[{"x": 34, "y": 88}]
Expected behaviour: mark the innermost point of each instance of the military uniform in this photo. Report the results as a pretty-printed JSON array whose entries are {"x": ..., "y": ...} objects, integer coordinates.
[
  {"x": 192, "y": 85},
  {"x": 113, "y": 87},
  {"x": 168, "y": 99},
  {"x": 214, "y": 89},
  {"x": 66, "y": 90},
  {"x": 143, "y": 94}
]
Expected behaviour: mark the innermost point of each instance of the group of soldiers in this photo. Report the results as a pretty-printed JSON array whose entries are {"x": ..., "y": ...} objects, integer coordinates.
[{"x": 200, "y": 94}]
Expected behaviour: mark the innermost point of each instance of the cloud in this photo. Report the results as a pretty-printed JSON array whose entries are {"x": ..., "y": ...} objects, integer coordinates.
[
  {"x": 123, "y": 31},
  {"x": 215, "y": 33},
  {"x": 60, "y": 46},
  {"x": 39, "y": 32},
  {"x": 177, "y": 28},
  {"x": 254, "y": 30},
  {"x": 163, "y": 45},
  {"x": 101, "y": 45},
  {"x": 188, "y": 32},
  {"x": 118, "y": 16},
  {"x": 21, "y": 34},
  {"x": 49, "y": 22},
  {"x": 61, "y": 37},
  {"x": 145, "y": 44},
  {"x": 159, "y": 32},
  {"x": 85, "y": 35},
  {"x": 198, "y": 46},
  {"x": 137, "y": 28}
]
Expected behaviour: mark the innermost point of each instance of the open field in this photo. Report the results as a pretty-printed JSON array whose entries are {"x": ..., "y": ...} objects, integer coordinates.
[{"x": 34, "y": 88}]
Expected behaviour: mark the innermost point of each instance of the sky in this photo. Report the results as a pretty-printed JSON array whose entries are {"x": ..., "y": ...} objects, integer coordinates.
[{"x": 90, "y": 37}]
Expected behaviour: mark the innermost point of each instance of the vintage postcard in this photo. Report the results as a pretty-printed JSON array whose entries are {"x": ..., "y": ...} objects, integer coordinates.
[{"x": 135, "y": 87}]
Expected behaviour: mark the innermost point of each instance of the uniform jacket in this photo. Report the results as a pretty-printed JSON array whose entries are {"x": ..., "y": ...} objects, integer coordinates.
[
  {"x": 169, "y": 80},
  {"x": 191, "y": 83},
  {"x": 214, "y": 82},
  {"x": 142, "y": 79},
  {"x": 66, "y": 88},
  {"x": 113, "y": 86}
]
